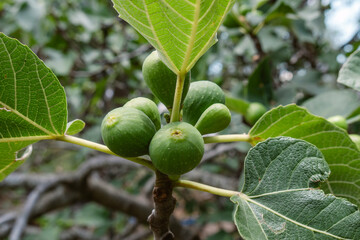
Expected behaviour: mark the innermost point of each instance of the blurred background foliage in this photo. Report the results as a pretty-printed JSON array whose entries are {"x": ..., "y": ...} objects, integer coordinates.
[{"x": 269, "y": 51}]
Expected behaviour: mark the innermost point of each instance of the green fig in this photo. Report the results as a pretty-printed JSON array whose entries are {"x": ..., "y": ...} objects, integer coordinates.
[
  {"x": 254, "y": 112},
  {"x": 161, "y": 80},
  {"x": 148, "y": 107},
  {"x": 201, "y": 95},
  {"x": 127, "y": 131},
  {"x": 339, "y": 121},
  {"x": 176, "y": 148},
  {"x": 214, "y": 119},
  {"x": 356, "y": 139}
]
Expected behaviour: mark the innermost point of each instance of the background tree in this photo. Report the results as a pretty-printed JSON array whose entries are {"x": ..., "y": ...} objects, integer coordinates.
[{"x": 272, "y": 52}]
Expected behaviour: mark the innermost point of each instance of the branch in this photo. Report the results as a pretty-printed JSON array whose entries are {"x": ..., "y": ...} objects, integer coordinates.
[
  {"x": 117, "y": 199},
  {"x": 258, "y": 45},
  {"x": 84, "y": 186},
  {"x": 55, "y": 199},
  {"x": 23, "y": 218},
  {"x": 164, "y": 205},
  {"x": 110, "y": 197}
]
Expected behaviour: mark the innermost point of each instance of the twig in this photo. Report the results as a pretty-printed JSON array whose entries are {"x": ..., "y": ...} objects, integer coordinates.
[
  {"x": 10, "y": 216},
  {"x": 23, "y": 218},
  {"x": 117, "y": 199}
]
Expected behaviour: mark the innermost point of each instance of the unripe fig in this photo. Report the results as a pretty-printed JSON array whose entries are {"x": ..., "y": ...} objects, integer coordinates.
[
  {"x": 148, "y": 107},
  {"x": 214, "y": 119},
  {"x": 161, "y": 80},
  {"x": 356, "y": 139},
  {"x": 339, "y": 121},
  {"x": 176, "y": 148},
  {"x": 254, "y": 112},
  {"x": 127, "y": 131},
  {"x": 201, "y": 95}
]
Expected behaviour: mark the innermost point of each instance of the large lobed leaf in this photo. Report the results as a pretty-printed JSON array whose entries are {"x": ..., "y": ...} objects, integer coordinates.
[
  {"x": 349, "y": 74},
  {"x": 340, "y": 152},
  {"x": 32, "y": 102},
  {"x": 278, "y": 200},
  {"x": 182, "y": 31}
]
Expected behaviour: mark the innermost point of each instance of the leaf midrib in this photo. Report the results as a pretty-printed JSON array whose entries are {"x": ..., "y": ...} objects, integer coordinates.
[
  {"x": 23, "y": 139},
  {"x": 246, "y": 198},
  {"x": 192, "y": 37}
]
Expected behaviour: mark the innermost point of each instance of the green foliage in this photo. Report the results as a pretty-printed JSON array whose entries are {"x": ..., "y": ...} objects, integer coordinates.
[
  {"x": 32, "y": 102},
  {"x": 180, "y": 31},
  {"x": 350, "y": 72},
  {"x": 259, "y": 87},
  {"x": 279, "y": 200},
  {"x": 75, "y": 127},
  {"x": 273, "y": 52},
  {"x": 236, "y": 104},
  {"x": 339, "y": 151},
  {"x": 331, "y": 103}
]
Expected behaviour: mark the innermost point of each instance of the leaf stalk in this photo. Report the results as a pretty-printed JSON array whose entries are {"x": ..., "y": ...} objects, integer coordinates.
[
  {"x": 206, "y": 188},
  {"x": 175, "y": 112},
  {"x": 228, "y": 138}
]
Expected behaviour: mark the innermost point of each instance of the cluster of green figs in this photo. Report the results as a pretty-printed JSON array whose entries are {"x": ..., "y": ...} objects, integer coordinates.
[{"x": 177, "y": 147}]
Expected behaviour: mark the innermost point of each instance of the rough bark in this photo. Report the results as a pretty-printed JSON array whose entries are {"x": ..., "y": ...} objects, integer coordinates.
[{"x": 164, "y": 205}]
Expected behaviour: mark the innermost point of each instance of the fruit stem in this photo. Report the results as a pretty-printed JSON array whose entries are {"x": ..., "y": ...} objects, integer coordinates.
[
  {"x": 228, "y": 138},
  {"x": 205, "y": 188},
  {"x": 175, "y": 113},
  {"x": 103, "y": 148}
]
